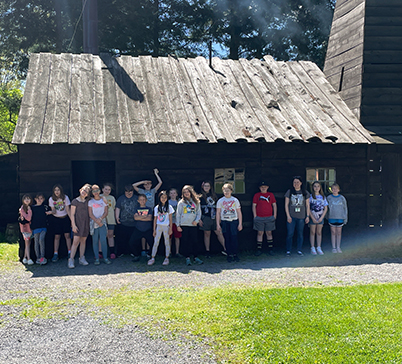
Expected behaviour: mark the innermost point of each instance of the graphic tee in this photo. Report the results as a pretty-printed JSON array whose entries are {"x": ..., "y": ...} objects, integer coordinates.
[
  {"x": 317, "y": 206},
  {"x": 208, "y": 207},
  {"x": 162, "y": 218},
  {"x": 143, "y": 225},
  {"x": 111, "y": 203},
  {"x": 127, "y": 208},
  {"x": 98, "y": 207},
  {"x": 150, "y": 196},
  {"x": 228, "y": 208},
  {"x": 264, "y": 203},
  {"x": 297, "y": 204},
  {"x": 60, "y": 206}
]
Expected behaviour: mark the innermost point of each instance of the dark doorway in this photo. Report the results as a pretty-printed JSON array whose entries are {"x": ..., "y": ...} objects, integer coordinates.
[{"x": 92, "y": 172}]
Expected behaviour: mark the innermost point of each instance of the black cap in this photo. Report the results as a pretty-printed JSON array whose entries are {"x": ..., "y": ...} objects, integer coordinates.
[{"x": 263, "y": 184}]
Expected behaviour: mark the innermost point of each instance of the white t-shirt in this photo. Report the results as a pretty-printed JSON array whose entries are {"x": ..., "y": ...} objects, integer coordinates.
[
  {"x": 60, "y": 206},
  {"x": 98, "y": 207},
  {"x": 162, "y": 218},
  {"x": 228, "y": 208}
]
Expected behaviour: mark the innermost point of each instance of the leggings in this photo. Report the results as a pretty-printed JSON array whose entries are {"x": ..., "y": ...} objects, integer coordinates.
[
  {"x": 161, "y": 229},
  {"x": 39, "y": 239}
]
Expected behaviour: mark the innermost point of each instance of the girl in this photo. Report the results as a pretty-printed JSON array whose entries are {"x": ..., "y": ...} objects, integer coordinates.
[
  {"x": 25, "y": 228},
  {"x": 98, "y": 210},
  {"x": 297, "y": 208},
  {"x": 229, "y": 220},
  {"x": 60, "y": 219},
  {"x": 110, "y": 218},
  {"x": 318, "y": 209},
  {"x": 187, "y": 217},
  {"x": 162, "y": 225},
  {"x": 39, "y": 227},
  {"x": 176, "y": 234},
  {"x": 80, "y": 225},
  {"x": 208, "y": 218},
  {"x": 337, "y": 216}
]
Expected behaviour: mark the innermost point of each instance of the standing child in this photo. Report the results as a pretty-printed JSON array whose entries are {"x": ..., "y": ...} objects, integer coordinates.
[
  {"x": 60, "y": 219},
  {"x": 173, "y": 194},
  {"x": 187, "y": 217},
  {"x": 80, "y": 225},
  {"x": 97, "y": 209},
  {"x": 264, "y": 213},
  {"x": 110, "y": 218},
  {"x": 162, "y": 225},
  {"x": 150, "y": 193},
  {"x": 297, "y": 208},
  {"x": 229, "y": 220},
  {"x": 337, "y": 216},
  {"x": 25, "y": 228},
  {"x": 208, "y": 219},
  {"x": 143, "y": 227},
  {"x": 318, "y": 209},
  {"x": 39, "y": 227}
]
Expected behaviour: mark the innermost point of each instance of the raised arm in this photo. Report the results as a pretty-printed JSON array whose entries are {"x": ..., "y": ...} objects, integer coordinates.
[
  {"x": 136, "y": 184},
  {"x": 156, "y": 171}
]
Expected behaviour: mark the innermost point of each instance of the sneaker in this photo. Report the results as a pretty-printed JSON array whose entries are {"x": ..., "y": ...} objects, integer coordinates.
[
  {"x": 198, "y": 261},
  {"x": 178, "y": 255},
  {"x": 107, "y": 261},
  {"x": 319, "y": 251},
  {"x": 166, "y": 261},
  {"x": 25, "y": 261},
  {"x": 258, "y": 252},
  {"x": 143, "y": 253},
  {"x": 70, "y": 263},
  {"x": 37, "y": 261},
  {"x": 338, "y": 250},
  {"x": 229, "y": 258},
  {"x": 30, "y": 262},
  {"x": 112, "y": 256},
  {"x": 43, "y": 261},
  {"x": 151, "y": 261},
  {"x": 300, "y": 253},
  {"x": 334, "y": 251},
  {"x": 97, "y": 262},
  {"x": 288, "y": 253},
  {"x": 55, "y": 258},
  {"x": 313, "y": 251},
  {"x": 136, "y": 258},
  {"x": 83, "y": 261},
  {"x": 236, "y": 258},
  {"x": 188, "y": 261},
  {"x": 223, "y": 252}
]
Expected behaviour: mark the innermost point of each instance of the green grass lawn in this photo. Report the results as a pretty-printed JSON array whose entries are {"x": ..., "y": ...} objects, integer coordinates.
[{"x": 258, "y": 324}]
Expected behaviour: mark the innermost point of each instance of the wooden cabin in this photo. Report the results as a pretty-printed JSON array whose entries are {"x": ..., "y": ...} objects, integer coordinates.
[{"x": 87, "y": 118}]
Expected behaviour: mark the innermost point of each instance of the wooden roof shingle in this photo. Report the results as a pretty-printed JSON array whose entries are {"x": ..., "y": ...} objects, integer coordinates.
[{"x": 100, "y": 99}]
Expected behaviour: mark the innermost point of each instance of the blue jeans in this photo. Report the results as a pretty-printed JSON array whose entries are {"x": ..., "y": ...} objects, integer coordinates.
[
  {"x": 295, "y": 224},
  {"x": 229, "y": 231},
  {"x": 99, "y": 234}
]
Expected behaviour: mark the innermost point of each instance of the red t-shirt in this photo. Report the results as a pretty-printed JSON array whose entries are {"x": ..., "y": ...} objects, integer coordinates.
[{"x": 264, "y": 203}]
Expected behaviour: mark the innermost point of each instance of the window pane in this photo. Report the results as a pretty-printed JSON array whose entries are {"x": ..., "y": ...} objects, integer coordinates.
[
  {"x": 310, "y": 174},
  {"x": 332, "y": 176},
  {"x": 239, "y": 187},
  {"x": 321, "y": 174}
]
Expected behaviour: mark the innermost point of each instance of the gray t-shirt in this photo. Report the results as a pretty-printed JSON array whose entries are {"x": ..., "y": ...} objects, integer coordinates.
[
  {"x": 150, "y": 196},
  {"x": 297, "y": 204}
]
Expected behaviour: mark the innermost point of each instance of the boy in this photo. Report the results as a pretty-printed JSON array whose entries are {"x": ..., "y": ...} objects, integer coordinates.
[
  {"x": 264, "y": 212},
  {"x": 143, "y": 227},
  {"x": 229, "y": 219},
  {"x": 150, "y": 195}
]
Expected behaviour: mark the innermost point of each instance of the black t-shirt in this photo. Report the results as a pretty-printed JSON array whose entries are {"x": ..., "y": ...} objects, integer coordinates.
[
  {"x": 143, "y": 225},
  {"x": 39, "y": 217}
]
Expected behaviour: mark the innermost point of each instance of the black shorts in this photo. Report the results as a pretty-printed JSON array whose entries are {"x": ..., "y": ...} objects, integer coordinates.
[{"x": 60, "y": 225}]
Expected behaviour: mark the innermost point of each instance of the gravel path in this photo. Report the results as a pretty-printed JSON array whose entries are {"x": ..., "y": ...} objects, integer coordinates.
[{"x": 82, "y": 338}]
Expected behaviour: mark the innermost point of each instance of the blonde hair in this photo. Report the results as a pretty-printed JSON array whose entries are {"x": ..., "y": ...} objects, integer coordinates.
[{"x": 227, "y": 185}]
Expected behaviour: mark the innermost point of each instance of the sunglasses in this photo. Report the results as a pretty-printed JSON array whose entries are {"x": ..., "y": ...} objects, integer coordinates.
[{"x": 95, "y": 191}]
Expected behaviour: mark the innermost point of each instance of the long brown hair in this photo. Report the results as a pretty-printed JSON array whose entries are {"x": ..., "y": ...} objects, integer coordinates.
[
  {"x": 62, "y": 195},
  {"x": 25, "y": 207},
  {"x": 193, "y": 195},
  {"x": 320, "y": 192},
  {"x": 210, "y": 193}
]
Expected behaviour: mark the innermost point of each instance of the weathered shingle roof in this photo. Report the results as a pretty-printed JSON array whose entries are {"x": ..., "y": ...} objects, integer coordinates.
[{"x": 99, "y": 99}]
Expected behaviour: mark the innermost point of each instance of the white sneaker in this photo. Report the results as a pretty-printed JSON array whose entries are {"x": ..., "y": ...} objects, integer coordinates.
[
  {"x": 338, "y": 250},
  {"x": 25, "y": 261},
  {"x": 313, "y": 251},
  {"x": 70, "y": 263},
  {"x": 166, "y": 261},
  {"x": 83, "y": 261},
  {"x": 319, "y": 251},
  {"x": 151, "y": 261},
  {"x": 30, "y": 262}
]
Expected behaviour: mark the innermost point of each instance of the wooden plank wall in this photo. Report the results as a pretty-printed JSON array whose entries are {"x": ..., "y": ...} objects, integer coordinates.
[
  {"x": 382, "y": 76},
  {"x": 10, "y": 201},
  {"x": 344, "y": 59},
  {"x": 193, "y": 163}
]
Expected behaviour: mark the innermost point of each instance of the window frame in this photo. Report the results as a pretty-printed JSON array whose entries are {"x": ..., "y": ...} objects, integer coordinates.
[
  {"x": 224, "y": 172},
  {"x": 326, "y": 181}
]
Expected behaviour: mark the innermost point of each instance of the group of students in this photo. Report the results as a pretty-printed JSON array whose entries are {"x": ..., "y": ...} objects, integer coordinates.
[{"x": 142, "y": 222}]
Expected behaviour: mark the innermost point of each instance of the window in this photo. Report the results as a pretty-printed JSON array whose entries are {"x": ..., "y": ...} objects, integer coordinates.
[
  {"x": 326, "y": 176},
  {"x": 235, "y": 176}
]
